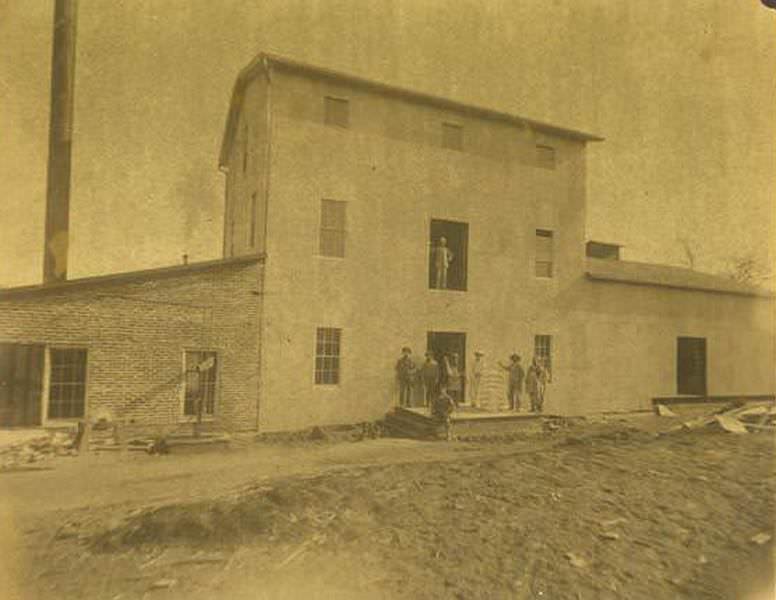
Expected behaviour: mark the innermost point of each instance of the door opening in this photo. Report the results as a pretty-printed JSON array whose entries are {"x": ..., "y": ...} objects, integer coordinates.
[
  {"x": 691, "y": 366},
  {"x": 449, "y": 348},
  {"x": 21, "y": 384}
]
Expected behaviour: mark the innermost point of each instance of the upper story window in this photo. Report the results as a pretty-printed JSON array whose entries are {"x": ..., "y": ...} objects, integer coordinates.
[
  {"x": 252, "y": 240},
  {"x": 452, "y": 136},
  {"x": 336, "y": 111},
  {"x": 545, "y": 156},
  {"x": 448, "y": 256},
  {"x": 245, "y": 150},
  {"x": 333, "y": 232},
  {"x": 544, "y": 253}
]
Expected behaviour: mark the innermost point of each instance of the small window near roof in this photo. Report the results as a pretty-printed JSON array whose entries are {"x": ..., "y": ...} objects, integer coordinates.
[
  {"x": 545, "y": 156},
  {"x": 336, "y": 112},
  {"x": 452, "y": 136},
  {"x": 603, "y": 250},
  {"x": 544, "y": 253}
]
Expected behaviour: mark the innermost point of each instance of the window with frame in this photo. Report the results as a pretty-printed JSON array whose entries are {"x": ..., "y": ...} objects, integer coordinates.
[
  {"x": 200, "y": 371},
  {"x": 447, "y": 268},
  {"x": 67, "y": 383},
  {"x": 603, "y": 250},
  {"x": 452, "y": 136},
  {"x": 545, "y": 156},
  {"x": 543, "y": 352},
  {"x": 544, "y": 253},
  {"x": 336, "y": 111},
  {"x": 253, "y": 220},
  {"x": 327, "y": 356},
  {"x": 332, "y": 235},
  {"x": 245, "y": 150}
]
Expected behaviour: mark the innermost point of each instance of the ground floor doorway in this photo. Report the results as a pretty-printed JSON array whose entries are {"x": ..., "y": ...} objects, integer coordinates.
[
  {"x": 449, "y": 349},
  {"x": 21, "y": 384},
  {"x": 691, "y": 366}
]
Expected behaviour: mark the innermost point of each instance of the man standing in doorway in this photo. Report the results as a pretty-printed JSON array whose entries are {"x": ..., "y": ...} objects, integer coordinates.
[
  {"x": 405, "y": 372},
  {"x": 442, "y": 259},
  {"x": 515, "y": 385},
  {"x": 429, "y": 373},
  {"x": 478, "y": 368}
]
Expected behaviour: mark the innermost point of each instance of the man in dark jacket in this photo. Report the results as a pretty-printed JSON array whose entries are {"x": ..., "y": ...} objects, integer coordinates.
[{"x": 515, "y": 385}]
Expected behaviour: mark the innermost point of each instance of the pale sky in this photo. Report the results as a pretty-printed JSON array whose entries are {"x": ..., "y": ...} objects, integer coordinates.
[{"x": 682, "y": 90}]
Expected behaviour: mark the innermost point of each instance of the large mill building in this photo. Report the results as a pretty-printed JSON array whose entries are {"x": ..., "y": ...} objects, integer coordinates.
[{"x": 338, "y": 192}]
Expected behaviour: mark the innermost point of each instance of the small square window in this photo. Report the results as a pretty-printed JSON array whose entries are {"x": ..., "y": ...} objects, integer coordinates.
[
  {"x": 545, "y": 157},
  {"x": 336, "y": 112},
  {"x": 452, "y": 136},
  {"x": 327, "y": 356},
  {"x": 544, "y": 253},
  {"x": 332, "y": 234}
]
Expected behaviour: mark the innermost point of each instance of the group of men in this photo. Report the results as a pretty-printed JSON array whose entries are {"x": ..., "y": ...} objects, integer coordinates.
[{"x": 449, "y": 380}]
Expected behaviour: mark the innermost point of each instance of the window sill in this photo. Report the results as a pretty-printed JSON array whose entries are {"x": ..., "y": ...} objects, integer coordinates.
[
  {"x": 327, "y": 257},
  {"x": 192, "y": 419},
  {"x": 447, "y": 290},
  {"x": 56, "y": 423}
]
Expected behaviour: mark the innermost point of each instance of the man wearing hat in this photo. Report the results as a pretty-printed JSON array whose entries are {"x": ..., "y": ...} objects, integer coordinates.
[
  {"x": 405, "y": 372},
  {"x": 478, "y": 368},
  {"x": 515, "y": 386},
  {"x": 429, "y": 374}
]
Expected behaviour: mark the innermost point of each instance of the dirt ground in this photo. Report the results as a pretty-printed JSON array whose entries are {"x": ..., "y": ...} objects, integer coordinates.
[{"x": 600, "y": 511}]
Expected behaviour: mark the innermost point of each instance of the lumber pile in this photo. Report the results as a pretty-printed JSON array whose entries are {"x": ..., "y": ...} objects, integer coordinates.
[
  {"x": 736, "y": 417},
  {"x": 22, "y": 449}
]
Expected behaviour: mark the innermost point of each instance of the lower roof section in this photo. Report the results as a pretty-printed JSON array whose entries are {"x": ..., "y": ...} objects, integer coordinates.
[
  {"x": 145, "y": 274},
  {"x": 637, "y": 273}
]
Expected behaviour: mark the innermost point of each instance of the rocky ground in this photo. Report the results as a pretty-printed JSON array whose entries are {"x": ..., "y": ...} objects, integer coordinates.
[{"x": 604, "y": 511}]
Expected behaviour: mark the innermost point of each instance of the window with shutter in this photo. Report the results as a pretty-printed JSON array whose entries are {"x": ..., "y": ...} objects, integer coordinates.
[
  {"x": 544, "y": 253},
  {"x": 333, "y": 232}
]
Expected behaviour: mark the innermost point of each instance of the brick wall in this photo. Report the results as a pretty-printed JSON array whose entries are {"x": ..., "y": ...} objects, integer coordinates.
[{"x": 136, "y": 331}]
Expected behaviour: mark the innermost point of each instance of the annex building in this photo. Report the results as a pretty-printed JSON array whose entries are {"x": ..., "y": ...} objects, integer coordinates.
[{"x": 338, "y": 192}]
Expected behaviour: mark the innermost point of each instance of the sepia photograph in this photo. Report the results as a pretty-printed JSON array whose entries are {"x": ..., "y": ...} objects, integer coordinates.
[{"x": 387, "y": 299}]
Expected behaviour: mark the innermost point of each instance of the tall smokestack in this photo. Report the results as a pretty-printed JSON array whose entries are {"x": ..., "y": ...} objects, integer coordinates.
[{"x": 60, "y": 136}]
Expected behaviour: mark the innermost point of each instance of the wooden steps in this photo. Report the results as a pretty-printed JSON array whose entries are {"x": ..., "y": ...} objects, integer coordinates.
[
  {"x": 465, "y": 424},
  {"x": 402, "y": 422}
]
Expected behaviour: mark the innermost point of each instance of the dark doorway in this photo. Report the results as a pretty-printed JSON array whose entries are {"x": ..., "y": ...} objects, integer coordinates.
[
  {"x": 21, "y": 379},
  {"x": 691, "y": 366},
  {"x": 445, "y": 344},
  {"x": 456, "y": 240}
]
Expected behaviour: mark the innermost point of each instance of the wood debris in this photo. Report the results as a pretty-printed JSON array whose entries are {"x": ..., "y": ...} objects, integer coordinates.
[{"x": 734, "y": 418}]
